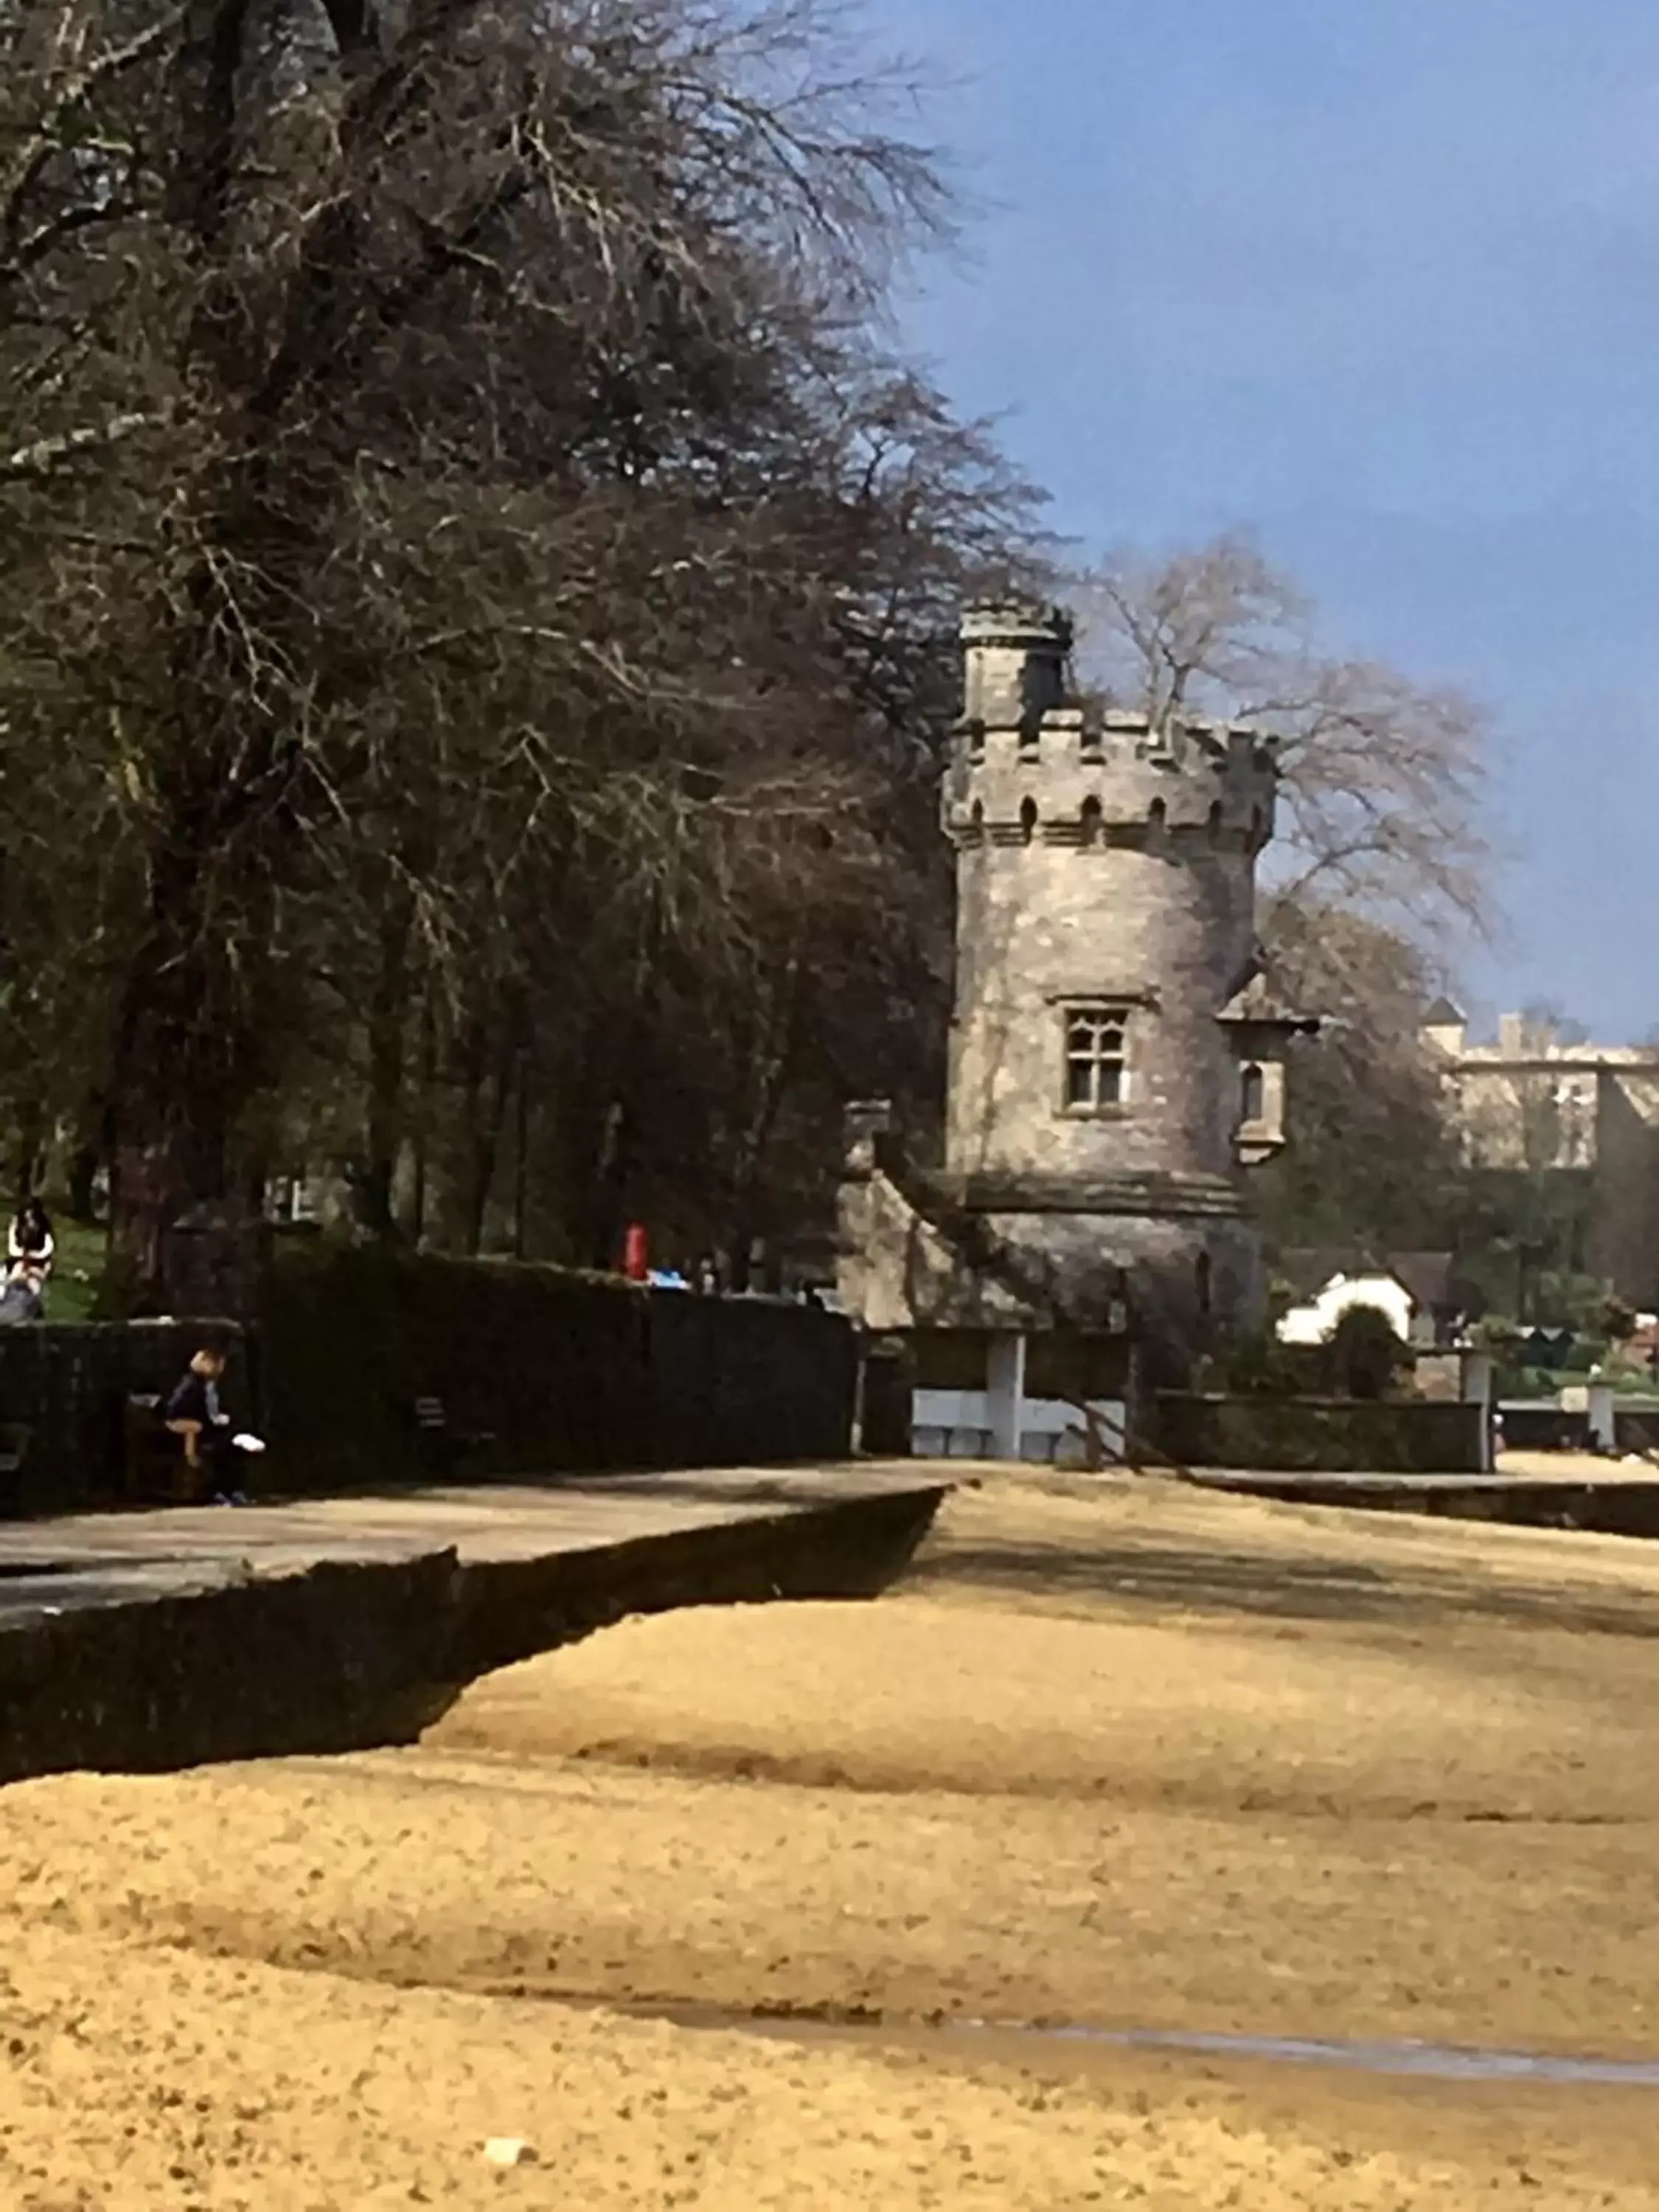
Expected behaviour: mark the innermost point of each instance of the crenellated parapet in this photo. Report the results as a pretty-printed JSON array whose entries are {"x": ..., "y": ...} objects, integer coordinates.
[
  {"x": 1121, "y": 780},
  {"x": 1031, "y": 766}
]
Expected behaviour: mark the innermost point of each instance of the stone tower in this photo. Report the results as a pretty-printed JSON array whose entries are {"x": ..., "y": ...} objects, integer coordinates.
[
  {"x": 1115, "y": 1059},
  {"x": 1107, "y": 871}
]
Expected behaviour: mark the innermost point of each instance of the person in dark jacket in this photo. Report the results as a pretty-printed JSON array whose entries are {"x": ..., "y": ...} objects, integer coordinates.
[
  {"x": 30, "y": 1252},
  {"x": 30, "y": 1243},
  {"x": 213, "y": 1451}
]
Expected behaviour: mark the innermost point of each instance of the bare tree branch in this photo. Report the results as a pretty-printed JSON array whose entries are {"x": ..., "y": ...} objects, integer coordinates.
[{"x": 45, "y": 457}]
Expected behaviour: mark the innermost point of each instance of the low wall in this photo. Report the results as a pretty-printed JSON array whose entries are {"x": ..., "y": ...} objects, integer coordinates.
[
  {"x": 1532, "y": 1427},
  {"x": 560, "y": 1370},
  {"x": 1618, "y": 1507},
  {"x": 1390, "y": 1436},
  {"x": 1636, "y": 1427},
  {"x": 350, "y": 1655}
]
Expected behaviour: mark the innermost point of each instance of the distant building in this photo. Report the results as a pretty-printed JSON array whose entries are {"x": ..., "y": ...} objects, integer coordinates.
[
  {"x": 1536, "y": 1103},
  {"x": 1414, "y": 1289}
]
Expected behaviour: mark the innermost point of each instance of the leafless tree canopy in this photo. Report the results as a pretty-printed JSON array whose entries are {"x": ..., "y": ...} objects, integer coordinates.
[
  {"x": 1382, "y": 777},
  {"x": 1379, "y": 873},
  {"x": 478, "y": 606},
  {"x": 478, "y": 598}
]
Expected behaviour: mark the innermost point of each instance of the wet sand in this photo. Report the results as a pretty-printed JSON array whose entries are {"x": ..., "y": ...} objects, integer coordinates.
[{"x": 1126, "y": 1755}]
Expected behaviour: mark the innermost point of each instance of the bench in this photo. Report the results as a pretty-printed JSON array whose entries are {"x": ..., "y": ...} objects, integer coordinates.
[
  {"x": 13, "y": 1450},
  {"x": 155, "y": 1468},
  {"x": 439, "y": 1448}
]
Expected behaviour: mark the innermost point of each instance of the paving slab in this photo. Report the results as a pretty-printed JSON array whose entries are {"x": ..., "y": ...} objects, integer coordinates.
[{"x": 170, "y": 1547}]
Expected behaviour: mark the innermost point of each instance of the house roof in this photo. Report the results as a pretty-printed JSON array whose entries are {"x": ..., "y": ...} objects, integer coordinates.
[
  {"x": 1443, "y": 1014},
  {"x": 1425, "y": 1275}
]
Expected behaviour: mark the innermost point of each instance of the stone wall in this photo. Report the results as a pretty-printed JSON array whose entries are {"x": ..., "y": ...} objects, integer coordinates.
[
  {"x": 1406, "y": 1436},
  {"x": 1624, "y": 1206},
  {"x": 558, "y": 1371},
  {"x": 1147, "y": 902},
  {"x": 346, "y": 1655}
]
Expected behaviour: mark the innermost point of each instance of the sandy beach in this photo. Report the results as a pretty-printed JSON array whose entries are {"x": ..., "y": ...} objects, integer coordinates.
[{"x": 1123, "y": 1755}]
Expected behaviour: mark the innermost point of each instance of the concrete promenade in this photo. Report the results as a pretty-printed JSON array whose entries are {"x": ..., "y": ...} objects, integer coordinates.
[{"x": 163, "y": 1638}]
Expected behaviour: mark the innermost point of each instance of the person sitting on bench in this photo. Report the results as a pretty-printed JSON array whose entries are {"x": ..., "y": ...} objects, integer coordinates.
[{"x": 212, "y": 1450}]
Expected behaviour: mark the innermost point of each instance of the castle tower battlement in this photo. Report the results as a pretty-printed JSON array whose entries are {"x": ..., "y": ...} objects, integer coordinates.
[
  {"x": 1122, "y": 781},
  {"x": 1028, "y": 758}
]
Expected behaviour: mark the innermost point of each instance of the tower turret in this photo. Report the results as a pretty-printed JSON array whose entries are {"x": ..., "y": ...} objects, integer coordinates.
[{"x": 1016, "y": 665}]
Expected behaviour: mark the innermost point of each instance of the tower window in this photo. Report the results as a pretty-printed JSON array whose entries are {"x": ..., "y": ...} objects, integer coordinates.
[
  {"x": 1090, "y": 814},
  {"x": 1028, "y": 819},
  {"x": 1252, "y": 1094},
  {"x": 1097, "y": 1059}
]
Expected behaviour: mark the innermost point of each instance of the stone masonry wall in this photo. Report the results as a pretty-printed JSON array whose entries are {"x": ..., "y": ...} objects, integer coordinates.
[
  {"x": 1624, "y": 1215},
  {"x": 1097, "y": 868}
]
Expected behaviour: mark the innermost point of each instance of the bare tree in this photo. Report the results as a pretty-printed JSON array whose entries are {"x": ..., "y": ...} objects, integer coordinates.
[
  {"x": 1382, "y": 777},
  {"x": 460, "y": 530},
  {"x": 1380, "y": 862}
]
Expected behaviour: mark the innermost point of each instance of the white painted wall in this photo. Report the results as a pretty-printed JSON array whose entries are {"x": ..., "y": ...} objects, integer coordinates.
[
  {"x": 1314, "y": 1323},
  {"x": 962, "y": 1425}
]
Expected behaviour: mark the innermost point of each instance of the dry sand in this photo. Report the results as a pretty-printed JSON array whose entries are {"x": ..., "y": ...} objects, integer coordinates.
[{"x": 1124, "y": 1755}]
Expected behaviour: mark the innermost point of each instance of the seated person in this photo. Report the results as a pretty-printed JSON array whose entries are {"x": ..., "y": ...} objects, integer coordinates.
[
  {"x": 30, "y": 1242},
  {"x": 29, "y": 1251},
  {"x": 212, "y": 1450}
]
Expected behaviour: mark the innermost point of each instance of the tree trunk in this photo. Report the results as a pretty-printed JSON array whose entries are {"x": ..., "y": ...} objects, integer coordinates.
[
  {"x": 383, "y": 1133},
  {"x": 609, "y": 1186},
  {"x": 488, "y": 1064},
  {"x": 776, "y": 1051},
  {"x": 28, "y": 1147},
  {"x": 426, "y": 1076},
  {"x": 521, "y": 1159},
  {"x": 187, "y": 1062},
  {"x": 81, "y": 1181}
]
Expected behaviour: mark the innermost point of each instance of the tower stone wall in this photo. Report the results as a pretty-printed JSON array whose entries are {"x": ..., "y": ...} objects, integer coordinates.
[{"x": 1107, "y": 863}]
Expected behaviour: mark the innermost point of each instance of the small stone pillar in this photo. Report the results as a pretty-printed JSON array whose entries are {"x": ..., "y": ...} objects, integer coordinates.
[
  {"x": 1478, "y": 1368},
  {"x": 1603, "y": 1422},
  {"x": 1004, "y": 1394}
]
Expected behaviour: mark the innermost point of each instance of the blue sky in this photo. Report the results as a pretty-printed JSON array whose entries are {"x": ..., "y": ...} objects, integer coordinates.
[{"x": 1378, "y": 280}]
